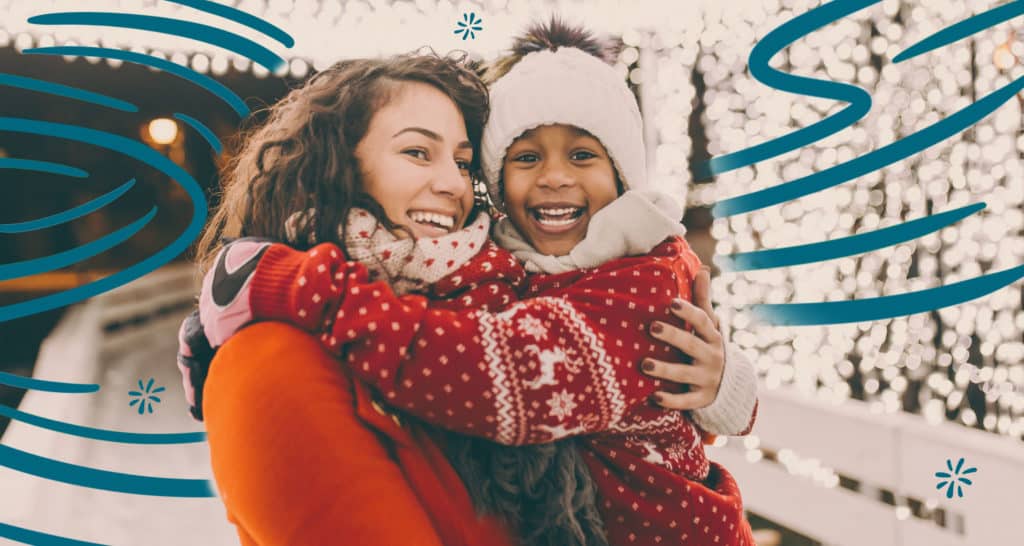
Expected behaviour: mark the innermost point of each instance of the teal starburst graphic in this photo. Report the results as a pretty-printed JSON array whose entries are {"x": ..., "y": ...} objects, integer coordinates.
[
  {"x": 469, "y": 26},
  {"x": 954, "y": 478},
  {"x": 145, "y": 396}
]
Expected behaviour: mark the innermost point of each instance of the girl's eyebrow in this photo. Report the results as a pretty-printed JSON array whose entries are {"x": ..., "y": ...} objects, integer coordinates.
[{"x": 431, "y": 135}]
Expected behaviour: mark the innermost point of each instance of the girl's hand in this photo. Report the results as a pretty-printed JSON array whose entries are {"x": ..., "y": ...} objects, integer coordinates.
[
  {"x": 707, "y": 348},
  {"x": 224, "y": 300},
  {"x": 194, "y": 357}
]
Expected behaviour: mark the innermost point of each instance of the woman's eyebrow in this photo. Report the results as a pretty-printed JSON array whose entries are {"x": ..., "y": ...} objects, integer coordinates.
[
  {"x": 431, "y": 135},
  {"x": 425, "y": 132}
]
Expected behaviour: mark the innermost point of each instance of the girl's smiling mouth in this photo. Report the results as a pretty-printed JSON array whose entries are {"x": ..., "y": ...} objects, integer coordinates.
[{"x": 556, "y": 217}]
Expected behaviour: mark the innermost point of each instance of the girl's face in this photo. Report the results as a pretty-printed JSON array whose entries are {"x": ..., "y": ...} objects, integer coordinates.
[
  {"x": 556, "y": 177},
  {"x": 415, "y": 159}
]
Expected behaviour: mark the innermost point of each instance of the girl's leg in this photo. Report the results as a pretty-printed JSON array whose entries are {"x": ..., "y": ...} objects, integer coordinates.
[{"x": 293, "y": 462}]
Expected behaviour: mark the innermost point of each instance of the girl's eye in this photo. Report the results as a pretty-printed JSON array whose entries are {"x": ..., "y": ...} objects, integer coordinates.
[
  {"x": 417, "y": 153},
  {"x": 526, "y": 157},
  {"x": 582, "y": 155}
]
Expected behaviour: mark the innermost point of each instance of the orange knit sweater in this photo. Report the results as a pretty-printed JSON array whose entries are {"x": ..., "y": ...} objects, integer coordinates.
[{"x": 302, "y": 455}]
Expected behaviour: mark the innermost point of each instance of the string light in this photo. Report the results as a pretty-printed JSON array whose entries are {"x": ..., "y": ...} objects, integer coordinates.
[
  {"x": 219, "y": 65},
  {"x": 163, "y": 131},
  {"x": 935, "y": 364},
  {"x": 200, "y": 63}
]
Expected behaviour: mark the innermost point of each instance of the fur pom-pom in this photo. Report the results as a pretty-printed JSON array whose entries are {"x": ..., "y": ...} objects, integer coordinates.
[{"x": 550, "y": 35}]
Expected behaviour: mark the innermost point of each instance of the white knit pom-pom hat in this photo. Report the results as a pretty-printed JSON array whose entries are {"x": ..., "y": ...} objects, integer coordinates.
[{"x": 567, "y": 86}]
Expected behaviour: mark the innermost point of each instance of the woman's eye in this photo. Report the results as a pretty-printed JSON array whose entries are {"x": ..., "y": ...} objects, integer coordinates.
[
  {"x": 582, "y": 155},
  {"x": 417, "y": 153},
  {"x": 463, "y": 165}
]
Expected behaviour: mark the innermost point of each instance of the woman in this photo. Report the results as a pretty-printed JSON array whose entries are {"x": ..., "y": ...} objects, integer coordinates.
[{"x": 244, "y": 475}]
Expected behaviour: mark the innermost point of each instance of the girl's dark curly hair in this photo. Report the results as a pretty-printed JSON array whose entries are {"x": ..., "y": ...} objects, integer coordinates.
[{"x": 303, "y": 156}]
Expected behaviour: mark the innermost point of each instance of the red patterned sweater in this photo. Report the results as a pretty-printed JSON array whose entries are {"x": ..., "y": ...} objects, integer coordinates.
[{"x": 563, "y": 363}]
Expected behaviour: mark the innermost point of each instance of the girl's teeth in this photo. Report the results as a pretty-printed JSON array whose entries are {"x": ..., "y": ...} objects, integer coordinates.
[
  {"x": 556, "y": 223},
  {"x": 557, "y": 217},
  {"x": 557, "y": 212}
]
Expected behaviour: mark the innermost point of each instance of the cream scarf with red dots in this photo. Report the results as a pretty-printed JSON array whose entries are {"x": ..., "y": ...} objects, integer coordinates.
[
  {"x": 411, "y": 265},
  {"x": 631, "y": 225},
  {"x": 408, "y": 265}
]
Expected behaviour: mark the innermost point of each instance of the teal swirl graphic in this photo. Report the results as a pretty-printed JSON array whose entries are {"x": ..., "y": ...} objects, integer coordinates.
[
  {"x": 20, "y": 382},
  {"x": 43, "y": 467},
  {"x": 839, "y": 312},
  {"x": 70, "y": 214},
  {"x": 29, "y": 536},
  {"x": 205, "y": 33},
  {"x": 66, "y": 91},
  {"x": 206, "y": 82},
  {"x": 774, "y": 42}
]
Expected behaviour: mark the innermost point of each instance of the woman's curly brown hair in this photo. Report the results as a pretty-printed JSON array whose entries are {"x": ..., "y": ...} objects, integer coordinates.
[{"x": 303, "y": 156}]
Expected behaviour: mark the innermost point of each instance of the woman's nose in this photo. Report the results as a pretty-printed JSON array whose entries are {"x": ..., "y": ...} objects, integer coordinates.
[{"x": 450, "y": 180}]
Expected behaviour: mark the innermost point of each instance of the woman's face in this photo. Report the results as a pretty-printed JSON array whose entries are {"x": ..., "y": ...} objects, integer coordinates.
[
  {"x": 415, "y": 159},
  {"x": 556, "y": 177}
]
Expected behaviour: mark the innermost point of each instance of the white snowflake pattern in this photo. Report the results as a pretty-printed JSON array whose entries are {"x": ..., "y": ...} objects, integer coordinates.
[
  {"x": 677, "y": 452},
  {"x": 562, "y": 404},
  {"x": 532, "y": 326}
]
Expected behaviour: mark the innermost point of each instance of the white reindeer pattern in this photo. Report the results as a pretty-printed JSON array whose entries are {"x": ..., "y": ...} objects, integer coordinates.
[
  {"x": 653, "y": 456},
  {"x": 548, "y": 358}
]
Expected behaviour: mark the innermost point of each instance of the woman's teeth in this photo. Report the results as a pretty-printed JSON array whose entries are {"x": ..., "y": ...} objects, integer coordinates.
[
  {"x": 434, "y": 219},
  {"x": 556, "y": 217}
]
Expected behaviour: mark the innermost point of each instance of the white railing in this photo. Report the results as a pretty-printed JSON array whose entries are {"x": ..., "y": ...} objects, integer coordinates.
[
  {"x": 115, "y": 340},
  {"x": 899, "y": 453}
]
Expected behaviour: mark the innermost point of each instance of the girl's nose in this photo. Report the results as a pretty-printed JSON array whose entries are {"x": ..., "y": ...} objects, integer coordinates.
[{"x": 555, "y": 175}]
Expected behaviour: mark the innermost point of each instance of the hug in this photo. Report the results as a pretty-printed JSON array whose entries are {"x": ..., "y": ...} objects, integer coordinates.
[{"x": 443, "y": 305}]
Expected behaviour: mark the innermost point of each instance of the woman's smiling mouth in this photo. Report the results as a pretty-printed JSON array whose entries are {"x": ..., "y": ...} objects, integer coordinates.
[{"x": 432, "y": 224}]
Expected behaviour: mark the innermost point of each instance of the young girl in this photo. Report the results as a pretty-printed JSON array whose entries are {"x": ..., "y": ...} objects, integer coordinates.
[{"x": 561, "y": 148}]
